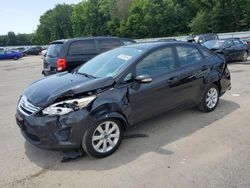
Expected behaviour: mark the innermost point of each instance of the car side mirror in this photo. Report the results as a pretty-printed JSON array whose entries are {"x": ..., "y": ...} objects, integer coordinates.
[{"x": 144, "y": 79}]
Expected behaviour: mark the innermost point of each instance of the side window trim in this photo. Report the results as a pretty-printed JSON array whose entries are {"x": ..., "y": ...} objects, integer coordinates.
[
  {"x": 229, "y": 42},
  {"x": 238, "y": 41},
  {"x": 70, "y": 44},
  {"x": 151, "y": 52},
  {"x": 110, "y": 39},
  {"x": 130, "y": 70},
  {"x": 191, "y": 64}
]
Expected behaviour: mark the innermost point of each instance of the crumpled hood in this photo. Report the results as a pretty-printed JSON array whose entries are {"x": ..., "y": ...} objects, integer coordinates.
[{"x": 47, "y": 90}]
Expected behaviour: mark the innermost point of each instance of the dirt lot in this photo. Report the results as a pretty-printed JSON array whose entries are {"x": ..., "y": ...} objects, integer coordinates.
[{"x": 184, "y": 148}]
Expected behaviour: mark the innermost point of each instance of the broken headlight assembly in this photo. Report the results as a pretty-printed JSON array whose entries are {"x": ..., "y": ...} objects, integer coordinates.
[{"x": 65, "y": 107}]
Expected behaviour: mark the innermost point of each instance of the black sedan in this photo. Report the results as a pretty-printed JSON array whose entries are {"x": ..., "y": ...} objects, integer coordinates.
[
  {"x": 33, "y": 51},
  {"x": 233, "y": 49},
  {"x": 91, "y": 107}
]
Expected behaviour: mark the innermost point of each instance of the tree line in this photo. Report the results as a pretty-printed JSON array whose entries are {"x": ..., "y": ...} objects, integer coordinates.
[
  {"x": 11, "y": 39},
  {"x": 141, "y": 18}
]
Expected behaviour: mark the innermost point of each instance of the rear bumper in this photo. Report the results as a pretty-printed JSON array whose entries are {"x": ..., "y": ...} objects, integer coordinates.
[{"x": 225, "y": 81}]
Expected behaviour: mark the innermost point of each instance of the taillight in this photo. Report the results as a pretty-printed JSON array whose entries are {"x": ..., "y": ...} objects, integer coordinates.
[{"x": 61, "y": 64}]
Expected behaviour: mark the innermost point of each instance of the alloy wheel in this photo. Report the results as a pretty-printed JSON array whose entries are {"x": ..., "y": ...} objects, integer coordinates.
[
  {"x": 212, "y": 98},
  {"x": 105, "y": 136}
]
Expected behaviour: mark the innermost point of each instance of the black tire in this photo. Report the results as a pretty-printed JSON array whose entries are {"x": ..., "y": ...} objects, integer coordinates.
[
  {"x": 15, "y": 58},
  {"x": 204, "y": 105},
  {"x": 244, "y": 56},
  {"x": 88, "y": 143}
]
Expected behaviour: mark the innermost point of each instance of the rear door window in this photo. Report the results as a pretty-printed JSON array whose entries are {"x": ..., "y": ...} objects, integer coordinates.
[
  {"x": 53, "y": 50},
  {"x": 188, "y": 55},
  {"x": 108, "y": 44},
  {"x": 229, "y": 42},
  {"x": 237, "y": 42},
  {"x": 82, "y": 47},
  {"x": 157, "y": 63}
]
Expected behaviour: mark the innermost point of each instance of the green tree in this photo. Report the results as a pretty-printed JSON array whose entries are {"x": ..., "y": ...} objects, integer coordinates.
[
  {"x": 24, "y": 39},
  {"x": 11, "y": 40},
  {"x": 153, "y": 18},
  {"x": 221, "y": 16},
  {"x": 55, "y": 24},
  {"x": 136, "y": 19},
  {"x": 100, "y": 17},
  {"x": 85, "y": 18},
  {"x": 3, "y": 40}
]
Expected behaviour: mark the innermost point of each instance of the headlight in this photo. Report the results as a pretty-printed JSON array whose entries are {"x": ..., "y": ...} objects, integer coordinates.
[{"x": 65, "y": 107}]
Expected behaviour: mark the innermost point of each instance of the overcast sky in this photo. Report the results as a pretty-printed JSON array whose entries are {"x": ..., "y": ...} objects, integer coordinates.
[{"x": 22, "y": 16}]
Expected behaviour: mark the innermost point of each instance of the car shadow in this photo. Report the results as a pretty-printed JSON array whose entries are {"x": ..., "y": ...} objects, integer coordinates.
[
  {"x": 161, "y": 130},
  {"x": 239, "y": 62}
]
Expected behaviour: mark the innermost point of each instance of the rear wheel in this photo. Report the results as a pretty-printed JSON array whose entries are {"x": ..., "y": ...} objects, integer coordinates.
[
  {"x": 210, "y": 99},
  {"x": 102, "y": 139},
  {"x": 15, "y": 58}
]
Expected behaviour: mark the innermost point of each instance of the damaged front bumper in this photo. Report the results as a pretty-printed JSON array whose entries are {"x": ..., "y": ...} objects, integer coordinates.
[{"x": 55, "y": 132}]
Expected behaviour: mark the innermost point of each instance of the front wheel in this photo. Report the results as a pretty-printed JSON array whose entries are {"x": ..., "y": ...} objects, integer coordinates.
[
  {"x": 102, "y": 139},
  {"x": 210, "y": 99},
  {"x": 15, "y": 58}
]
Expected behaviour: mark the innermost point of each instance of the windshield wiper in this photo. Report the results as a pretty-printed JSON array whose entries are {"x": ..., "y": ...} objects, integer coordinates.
[{"x": 87, "y": 75}]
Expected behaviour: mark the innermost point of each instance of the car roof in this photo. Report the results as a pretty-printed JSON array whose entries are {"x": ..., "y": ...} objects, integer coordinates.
[
  {"x": 207, "y": 34},
  {"x": 231, "y": 38},
  {"x": 82, "y": 38},
  {"x": 151, "y": 45}
]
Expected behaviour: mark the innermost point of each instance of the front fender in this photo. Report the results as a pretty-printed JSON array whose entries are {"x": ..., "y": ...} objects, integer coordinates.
[
  {"x": 112, "y": 103},
  {"x": 110, "y": 115}
]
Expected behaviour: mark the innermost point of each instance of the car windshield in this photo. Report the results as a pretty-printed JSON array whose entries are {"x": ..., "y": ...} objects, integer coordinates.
[
  {"x": 111, "y": 63},
  {"x": 214, "y": 44},
  {"x": 53, "y": 50}
]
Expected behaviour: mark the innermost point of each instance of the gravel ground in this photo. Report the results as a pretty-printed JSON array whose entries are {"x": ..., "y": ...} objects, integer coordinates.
[{"x": 184, "y": 148}]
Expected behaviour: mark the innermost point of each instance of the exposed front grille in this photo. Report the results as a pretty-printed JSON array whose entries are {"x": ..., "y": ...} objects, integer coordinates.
[{"x": 26, "y": 107}]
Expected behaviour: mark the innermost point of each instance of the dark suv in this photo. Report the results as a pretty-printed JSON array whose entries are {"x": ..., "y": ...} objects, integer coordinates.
[{"x": 66, "y": 55}]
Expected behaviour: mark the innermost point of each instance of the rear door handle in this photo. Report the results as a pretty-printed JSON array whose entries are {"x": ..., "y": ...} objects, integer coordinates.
[{"x": 172, "y": 80}]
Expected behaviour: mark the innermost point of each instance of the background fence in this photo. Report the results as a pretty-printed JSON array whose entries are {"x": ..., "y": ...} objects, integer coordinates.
[{"x": 243, "y": 34}]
